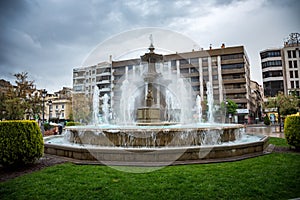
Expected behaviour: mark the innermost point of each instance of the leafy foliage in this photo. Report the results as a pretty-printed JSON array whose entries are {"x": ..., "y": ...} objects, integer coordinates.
[
  {"x": 292, "y": 130},
  {"x": 231, "y": 107},
  {"x": 287, "y": 104},
  {"x": 81, "y": 107},
  {"x": 21, "y": 142},
  {"x": 267, "y": 120},
  {"x": 73, "y": 124},
  {"x": 21, "y": 99}
]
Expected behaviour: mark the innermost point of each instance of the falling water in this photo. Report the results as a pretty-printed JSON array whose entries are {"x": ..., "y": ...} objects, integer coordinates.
[
  {"x": 96, "y": 105},
  {"x": 124, "y": 103},
  {"x": 199, "y": 108},
  {"x": 210, "y": 103},
  {"x": 105, "y": 109}
]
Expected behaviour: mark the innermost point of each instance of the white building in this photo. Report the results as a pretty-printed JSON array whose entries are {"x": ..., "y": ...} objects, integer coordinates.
[
  {"x": 281, "y": 67},
  {"x": 291, "y": 58},
  {"x": 85, "y": 79}
]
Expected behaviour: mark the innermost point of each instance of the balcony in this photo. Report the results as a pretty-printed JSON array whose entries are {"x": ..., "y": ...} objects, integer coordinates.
[
  {"x": 104, "y": 90},
  {"x": 105, "y": 74},
  {"x": 236, "y": 80},
  {"x": 104, "y": 82},
  {"x": 235, "y": 90},
  {"x": 233, "y": 71}
]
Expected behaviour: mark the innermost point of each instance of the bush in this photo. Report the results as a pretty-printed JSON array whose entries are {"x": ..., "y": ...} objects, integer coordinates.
[
  {"x": 292, "y": 130},
  {"x": 47, "y": 126},
  {"x": 21, "y": 142},
  {"x": 73, "y": 124},
  {"x": 267, "y": 120}
]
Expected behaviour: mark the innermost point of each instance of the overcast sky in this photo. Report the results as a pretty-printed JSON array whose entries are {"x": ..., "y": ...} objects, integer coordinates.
[{"x": 49, "y": 38}]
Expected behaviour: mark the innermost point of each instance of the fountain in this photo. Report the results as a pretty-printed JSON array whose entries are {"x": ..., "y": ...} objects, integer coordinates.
[{"x": 155, "y": 124}]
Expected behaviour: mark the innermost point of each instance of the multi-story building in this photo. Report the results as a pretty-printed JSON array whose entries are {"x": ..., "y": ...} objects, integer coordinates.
[
  {"x": 85, "y": 79},
  {"x": 291, "y": 60},
  {"x": 58, "y": 106},
  {"x": 280, "y": 67},
  {"x": 227, "y": 68},
  {"x": 272, "y": 71},
  {"x": 257, "y": 99}
]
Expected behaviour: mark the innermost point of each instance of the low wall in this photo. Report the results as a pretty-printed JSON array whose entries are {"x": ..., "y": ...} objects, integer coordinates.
[{"x": 150, "y": 155}]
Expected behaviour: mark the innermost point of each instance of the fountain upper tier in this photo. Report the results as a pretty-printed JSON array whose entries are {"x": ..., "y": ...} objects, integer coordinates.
[
  {"x": 154, "y": 136},
  {"x": 151, "y": 113}
]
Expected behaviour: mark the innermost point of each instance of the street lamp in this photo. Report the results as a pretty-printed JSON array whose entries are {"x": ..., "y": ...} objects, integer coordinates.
[
  {"x": 44, "y": 93},
  {"x": 49, "y": 104}
]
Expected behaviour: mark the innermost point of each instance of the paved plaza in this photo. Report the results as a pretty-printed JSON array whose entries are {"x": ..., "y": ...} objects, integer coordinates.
[{"x": 261, "y": 129}]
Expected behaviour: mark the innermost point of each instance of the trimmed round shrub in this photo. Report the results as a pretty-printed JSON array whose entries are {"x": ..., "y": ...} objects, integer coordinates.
[
  {"x": 21, "y": 142},
  {"x": 292, "y": 130},
  {"x": 73, "y": 124}
]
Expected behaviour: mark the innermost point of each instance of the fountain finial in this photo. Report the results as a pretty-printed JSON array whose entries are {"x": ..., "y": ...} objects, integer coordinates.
[{"x": 151, "y": 47}]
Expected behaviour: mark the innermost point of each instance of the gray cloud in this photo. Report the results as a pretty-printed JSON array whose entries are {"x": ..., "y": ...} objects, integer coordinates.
[{"x": 49, "y": 38}]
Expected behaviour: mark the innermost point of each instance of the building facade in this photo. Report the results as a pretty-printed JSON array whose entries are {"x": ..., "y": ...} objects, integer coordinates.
[
  {"x": 291, "y": 60},
  {"x": 58, "y": 106},
  {"x": 280, "y": 68},
  {"x": 227, "y": 68},
  {"x": 272, "y": 71}
]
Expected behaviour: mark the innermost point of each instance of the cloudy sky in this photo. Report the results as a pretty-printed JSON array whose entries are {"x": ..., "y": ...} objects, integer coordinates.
[{"x": 49, "y": 38}]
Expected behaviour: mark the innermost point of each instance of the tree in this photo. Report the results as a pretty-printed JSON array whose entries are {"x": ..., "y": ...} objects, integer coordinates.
[
  {"x": 285, "y": 104},
  {"x": 231, "y": 107},
  {"x": 21, "y": 99}
]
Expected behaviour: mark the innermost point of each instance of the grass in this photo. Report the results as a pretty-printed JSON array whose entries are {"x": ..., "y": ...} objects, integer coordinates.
[
  {"x": 273, "y": 176},
  {"x": 278, "y": 142}
]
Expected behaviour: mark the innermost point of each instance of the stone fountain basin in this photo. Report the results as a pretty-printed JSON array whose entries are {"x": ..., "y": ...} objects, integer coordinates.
[
  {"x": 157, "y": 155},
  {"x": 150, "y": 136}
]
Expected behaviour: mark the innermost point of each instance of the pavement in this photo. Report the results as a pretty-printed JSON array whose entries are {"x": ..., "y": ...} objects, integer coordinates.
[{"x": 261, "y": 129}]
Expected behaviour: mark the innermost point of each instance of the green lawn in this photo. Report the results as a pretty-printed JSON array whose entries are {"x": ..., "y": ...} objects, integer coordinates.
[
  {"x": 278, "y": 142},
  {"x": 273, "y": 176}
]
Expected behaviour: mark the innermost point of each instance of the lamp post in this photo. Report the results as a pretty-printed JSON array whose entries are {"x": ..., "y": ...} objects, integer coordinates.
[
  {"x": 44, "y": 93},
  {"x": 49, "y": 104}
]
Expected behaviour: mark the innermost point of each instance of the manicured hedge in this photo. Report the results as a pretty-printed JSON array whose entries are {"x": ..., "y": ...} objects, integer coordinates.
[
  {"x": 73, "y": 124},
  {"x": 292, "y": 130},
  {"x": 21, "y": 142}
]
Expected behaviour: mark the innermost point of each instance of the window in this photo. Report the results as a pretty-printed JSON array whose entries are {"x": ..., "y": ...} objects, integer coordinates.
[
  {"x": 233, "y": 66},
  {"x": 289, "y": 54},
  {"x": 271, "y": 63},
  {"x": 290, "y": 64},
  {"x": 292, "y": 84},
  {"x": 232, "y": 56},
  {"x": 194, "y": 79},
  {"x": 173, "y": 63},
  {"x": 295, "y": 64},
  {"x": 296, "y": 74},
  {"x": 294, "y": 54},
  {"x": 291, "y": 74},
  {"x": 62, "y": 115},
  {"x": 297, "y": 84},
  {"x": 130, "y": 67},
  {"x": 194, "y": 61},
  {"x": 63, "y": 106},
  {"x": 183, "y": 61},
  {"x": 194, "y": 70}
]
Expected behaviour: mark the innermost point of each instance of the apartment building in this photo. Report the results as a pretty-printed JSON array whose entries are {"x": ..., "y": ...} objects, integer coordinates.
[
  {"x": 227, "y": 68},
  {"x": 58, "y": 106},
  {"x": 272, "y": 71},
  {"x": 280, "y": 67},
  {"x": 291, "y": 60}
]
